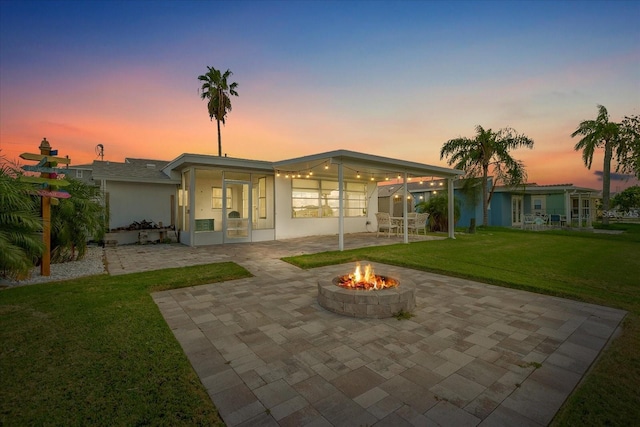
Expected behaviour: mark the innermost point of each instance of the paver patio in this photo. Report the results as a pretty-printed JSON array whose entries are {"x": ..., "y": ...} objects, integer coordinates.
[{"x": 473, "y": 354}]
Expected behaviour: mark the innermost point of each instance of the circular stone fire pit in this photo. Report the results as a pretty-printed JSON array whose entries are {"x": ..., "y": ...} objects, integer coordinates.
[{"x": 376, "y": 304}]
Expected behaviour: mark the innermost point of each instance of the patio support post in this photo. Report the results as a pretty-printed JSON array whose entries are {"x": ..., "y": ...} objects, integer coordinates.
[
  {"x": 451, "y": 216},
  {"x": 340, "y": 208},
  {"x": 579, "y": 210},
  {"x": 589, "y": 212},
  {"x": 567, "y": 209},
  {"x": 405, "y": 197},
  {"x": 192, "y": 202}
]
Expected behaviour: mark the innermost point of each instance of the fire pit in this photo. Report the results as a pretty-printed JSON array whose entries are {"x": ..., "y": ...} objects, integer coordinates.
[{"x": 366, "y": 294}]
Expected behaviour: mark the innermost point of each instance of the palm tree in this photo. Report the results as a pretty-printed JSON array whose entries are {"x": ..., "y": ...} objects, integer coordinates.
[
  {"x": 20, "y": 224},
  {"x": 76, "y": 220},
  {"x": 488, "y": 150},
  {"x": 217, "y": 90},
  {"x": 599, "y": 133}
]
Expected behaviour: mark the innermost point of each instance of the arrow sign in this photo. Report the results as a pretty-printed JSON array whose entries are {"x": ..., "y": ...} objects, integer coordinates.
[
  {"x": 38, "y": 157},
  {"x": 43, "y": 169},
  {"x": 38, "y": 180},
  {"x": 56, "y": 194}
]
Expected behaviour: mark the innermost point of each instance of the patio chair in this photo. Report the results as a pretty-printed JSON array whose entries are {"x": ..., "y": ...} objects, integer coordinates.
[
  {"x": 418, "y": 222},
  {"x": 528, "y": 220},
  {"x": 385, "y": 223},
  {"x": 423, "y": 222}
]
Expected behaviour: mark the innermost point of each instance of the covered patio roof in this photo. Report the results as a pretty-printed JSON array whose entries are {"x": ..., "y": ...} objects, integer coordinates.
[
  {"x": 341, "y": 163},
  {"x": 367, "y": 165}
]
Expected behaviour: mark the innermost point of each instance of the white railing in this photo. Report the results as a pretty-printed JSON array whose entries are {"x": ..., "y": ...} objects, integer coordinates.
[{"x": 616, "y": 214}]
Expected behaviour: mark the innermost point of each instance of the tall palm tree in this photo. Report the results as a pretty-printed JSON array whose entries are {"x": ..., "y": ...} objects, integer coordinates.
[
  {"x": 218, "y": 91},
  {"x": 488, "y": 151},
  {"x": 599, "y": 133}
]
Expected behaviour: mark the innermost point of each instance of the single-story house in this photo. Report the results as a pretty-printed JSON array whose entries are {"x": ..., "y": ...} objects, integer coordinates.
[
  {"x": 134, "y": 191},
  {"x": 564, "y": 204},
  {"x": 214, "y": 200}
]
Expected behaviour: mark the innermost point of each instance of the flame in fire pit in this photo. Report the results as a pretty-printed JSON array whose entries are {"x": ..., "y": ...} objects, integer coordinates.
[{"x": 368, "y": 281}]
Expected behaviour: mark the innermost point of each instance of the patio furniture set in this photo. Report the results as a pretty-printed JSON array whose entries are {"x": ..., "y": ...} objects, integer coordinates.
[
  {"x": 415, "y": 223},
  {"x": 542, "y": 221}
]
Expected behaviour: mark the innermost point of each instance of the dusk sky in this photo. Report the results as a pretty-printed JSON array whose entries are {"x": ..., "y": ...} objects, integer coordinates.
[{"x": 394, "y": 79}]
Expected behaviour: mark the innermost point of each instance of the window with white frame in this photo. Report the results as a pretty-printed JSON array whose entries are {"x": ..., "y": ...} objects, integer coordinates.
[
  {"x": 262, "y": 197},
  {"x": 320, "y": 198},
  {"x": 538, "y": 205},
  {"x": 216, "y": 197},
  {"x": 183, "y": 197},
  {"x": 355, "y": 199}
]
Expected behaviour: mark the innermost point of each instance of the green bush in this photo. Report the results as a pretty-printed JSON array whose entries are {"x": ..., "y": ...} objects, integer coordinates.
[
  {"x": 627, "y": 199},
  {"x": 75, "y": 221},
  {"x": 20, "y": 224},
  {"x": 438, "y": 209}
]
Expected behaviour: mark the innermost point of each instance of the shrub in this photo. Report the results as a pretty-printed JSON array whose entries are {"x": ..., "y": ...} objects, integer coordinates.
[
  {"x": 438, "y": 209},
  {"x": 20, "y": 224}
]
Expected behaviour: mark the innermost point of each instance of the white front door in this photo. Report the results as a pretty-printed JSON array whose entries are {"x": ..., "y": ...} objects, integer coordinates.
[
  {"x": 516, "y": 211},
  {"x": 237, "y": 215}
]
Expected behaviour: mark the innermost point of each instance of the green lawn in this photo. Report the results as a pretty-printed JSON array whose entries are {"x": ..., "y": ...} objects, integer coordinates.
[
  {"x": 598, "y": 268},
  {"x": 97, "y": 351}
]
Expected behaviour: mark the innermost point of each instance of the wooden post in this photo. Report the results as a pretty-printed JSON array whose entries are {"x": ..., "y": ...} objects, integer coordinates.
[{"x": 45, "y": 266}]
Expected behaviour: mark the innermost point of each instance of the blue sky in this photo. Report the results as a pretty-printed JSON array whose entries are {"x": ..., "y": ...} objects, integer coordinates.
[{"x": 395, "y": 79}]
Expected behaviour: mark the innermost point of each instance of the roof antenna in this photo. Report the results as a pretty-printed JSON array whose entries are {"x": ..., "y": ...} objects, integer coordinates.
[{"x": 100, "y": 151}]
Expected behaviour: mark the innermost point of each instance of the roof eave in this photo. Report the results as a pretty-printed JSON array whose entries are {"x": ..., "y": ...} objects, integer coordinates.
[{"x": 372, "y": 161}]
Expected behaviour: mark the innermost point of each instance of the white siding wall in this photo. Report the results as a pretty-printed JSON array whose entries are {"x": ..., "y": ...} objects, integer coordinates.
[
  {"x": 129, "y": 202},
  {"x": 288, "y": 227}
]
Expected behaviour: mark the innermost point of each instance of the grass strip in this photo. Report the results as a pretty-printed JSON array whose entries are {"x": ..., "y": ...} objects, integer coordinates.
[{"x": 97, "y": 351}]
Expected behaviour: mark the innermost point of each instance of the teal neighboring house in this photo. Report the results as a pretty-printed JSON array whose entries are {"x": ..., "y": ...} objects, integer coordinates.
[{"x": 564, "y": 205}]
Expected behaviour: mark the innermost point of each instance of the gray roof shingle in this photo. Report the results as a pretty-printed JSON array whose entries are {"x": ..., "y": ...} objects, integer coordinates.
[{"x": 132, "y": 170}]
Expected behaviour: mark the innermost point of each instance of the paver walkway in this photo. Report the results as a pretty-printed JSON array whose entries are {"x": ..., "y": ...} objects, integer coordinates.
[{"x": 473, "y": 354}]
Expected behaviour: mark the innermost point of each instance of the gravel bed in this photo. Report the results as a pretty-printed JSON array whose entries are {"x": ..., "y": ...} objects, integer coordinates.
[{"x": 90, "y": 265}]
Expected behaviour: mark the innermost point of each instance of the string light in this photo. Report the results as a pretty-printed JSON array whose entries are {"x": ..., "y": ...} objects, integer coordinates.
[{"x": 309, "y": 173}]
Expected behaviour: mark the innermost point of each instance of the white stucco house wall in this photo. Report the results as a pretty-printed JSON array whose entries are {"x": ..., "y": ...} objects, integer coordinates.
[
  {"x": 217, "y": 200},
  {"x": 134, "y": 190}
]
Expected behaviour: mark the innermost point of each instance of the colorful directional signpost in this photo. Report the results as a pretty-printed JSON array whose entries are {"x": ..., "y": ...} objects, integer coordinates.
[{"x": 48, "y": 185}]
